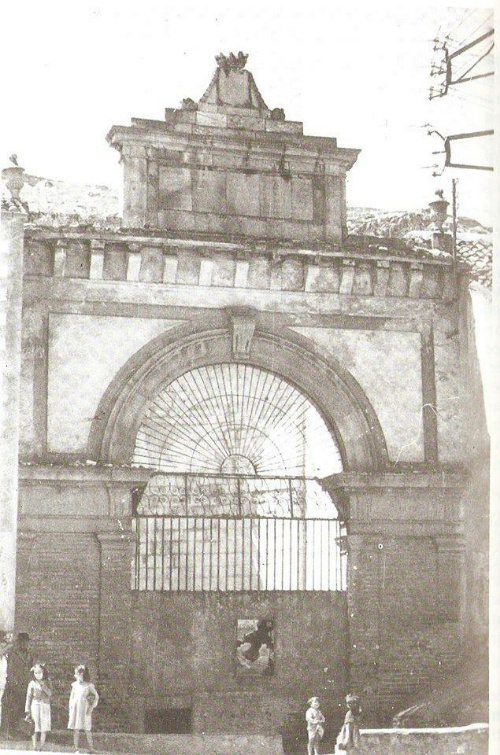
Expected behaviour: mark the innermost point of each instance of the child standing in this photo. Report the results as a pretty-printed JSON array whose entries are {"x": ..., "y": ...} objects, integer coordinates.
[
  {"x": 349, "y": 737},
  {"x": 315, "y": 731},
  {"x": 82, "y": 701},
  {"x": 38, "y": 704}
]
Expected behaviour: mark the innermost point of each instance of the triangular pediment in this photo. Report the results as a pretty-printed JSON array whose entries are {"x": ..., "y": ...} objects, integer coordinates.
[{"x": 233, "y": 86}]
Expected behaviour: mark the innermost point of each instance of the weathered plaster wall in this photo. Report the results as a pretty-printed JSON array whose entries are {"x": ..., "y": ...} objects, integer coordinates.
[
  {"x": 453, "y": 440},
  {"x": 475, "y": 336},
  {"x": 85, "y": 353},
  {"x": 89, "y": 350},
  {"x": 387, "y": 366}
]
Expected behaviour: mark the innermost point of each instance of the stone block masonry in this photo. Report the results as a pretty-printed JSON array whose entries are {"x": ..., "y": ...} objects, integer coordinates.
[{"x": 233, "y": 251}]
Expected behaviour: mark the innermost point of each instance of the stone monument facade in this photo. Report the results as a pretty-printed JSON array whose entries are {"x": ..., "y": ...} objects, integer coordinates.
[{"x": 229, "y": 314}]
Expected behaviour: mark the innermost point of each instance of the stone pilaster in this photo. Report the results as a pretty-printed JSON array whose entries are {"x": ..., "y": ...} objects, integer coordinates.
[
  {"x": 171, "y": 263},
  {"x": 60, "y": 257},
  {"x": 96, "y": 259},
  {"x": 241, "y": 272},
  {"x": 133, "y": 262},
  {"x": 450, "y": 577},
  {"x": 405, "y": 585},
  {"x": 11, "y": 284},
  {"x": 115, "y": 605}
]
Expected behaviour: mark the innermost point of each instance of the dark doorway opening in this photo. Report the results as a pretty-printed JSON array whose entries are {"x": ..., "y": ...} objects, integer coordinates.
[{"x": 168, "y": 721}]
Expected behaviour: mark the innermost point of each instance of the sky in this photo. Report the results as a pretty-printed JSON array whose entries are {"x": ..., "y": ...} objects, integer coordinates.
[{"x": 71, "y": 70}]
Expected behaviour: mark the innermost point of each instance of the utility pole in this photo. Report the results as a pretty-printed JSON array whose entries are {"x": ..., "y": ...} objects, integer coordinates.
[
  {"x": 445, "y": 69},
  {"x": 454, "y": 231}
]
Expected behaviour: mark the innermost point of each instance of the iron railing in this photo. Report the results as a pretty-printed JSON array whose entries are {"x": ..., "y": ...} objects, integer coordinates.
[
  {"x": 188, "y": 494},
  {"x": 230, "y": 554},
  {"x": 231, "y": 533}
]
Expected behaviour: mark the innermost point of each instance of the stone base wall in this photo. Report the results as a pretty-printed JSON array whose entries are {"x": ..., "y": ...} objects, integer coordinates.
[
  {"x": 396, "y": 630},
  {"x": 471, "y": 739}
]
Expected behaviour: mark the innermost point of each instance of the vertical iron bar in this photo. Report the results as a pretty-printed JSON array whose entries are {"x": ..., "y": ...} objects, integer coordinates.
[
  {"x": 291, "y": 497},
  {"x": 344, "y": 562},
  {"x": 320, "y": 527},
  {"x": 195, "y": 520},
  {"x": 283, "y": 554},
  {"x": 147, "y": 553},
  {"x": 242, "y": 554},
  {"x": 163, "y": 553},
  {"x": 329, "y": 547},
  {"x": 178, "y": 554},
  {"x": 275, "y": 555},
  {"x": 235, "y": 553},
  {"x": 339, "y": 556},
  {"x": 186, "y": 494},
  {"x": 187, "y": 562},
  {"x": 203, "y": 554},
  {"x": 290, "y": 540},
  {"x": 211, "y": 556},
  {"x": 218, "y": 554},
  {"x": 227, "y": 552},
  {"x": 171, "y": 563},
  {"x": 259, "y": 579},
  {"x": 250, "y": 548},
  {"x": 299, "y": 549},
  {"x": 306, "y": 549},
  {"x": 155, "y": 522},
  {"x": 137, "y": 524}
]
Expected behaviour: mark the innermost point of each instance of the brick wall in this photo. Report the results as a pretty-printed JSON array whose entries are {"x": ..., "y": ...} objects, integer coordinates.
[
  {"x": 58, "y": 604},
  {"x": 400, "y": 639},
  {"x": 397, "y": 631},
  {"x": 185, "y": 650}
]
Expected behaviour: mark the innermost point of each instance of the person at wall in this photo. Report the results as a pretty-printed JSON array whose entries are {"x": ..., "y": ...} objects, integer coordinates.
[
  {"x": 38, "y": 704},
  {"x": 315, "y": 731},
  {"x": 19, "y": 663},
  {"x": 5, "y": 646},
  {"x": 82, "y": 701},
  {"x": 349, "y": 737}
]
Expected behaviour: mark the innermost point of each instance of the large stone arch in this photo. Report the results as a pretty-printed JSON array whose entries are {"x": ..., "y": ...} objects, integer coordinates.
[{"x": 331, "y": 388}]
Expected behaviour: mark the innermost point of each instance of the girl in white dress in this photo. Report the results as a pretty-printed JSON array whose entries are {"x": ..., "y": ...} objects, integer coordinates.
[
  {"x": 38, "y": 704},
  {"x": 82, "y": 701}
]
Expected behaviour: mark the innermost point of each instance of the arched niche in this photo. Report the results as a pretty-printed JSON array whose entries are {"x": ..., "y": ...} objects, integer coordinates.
[{"x": 333, "y": 390}]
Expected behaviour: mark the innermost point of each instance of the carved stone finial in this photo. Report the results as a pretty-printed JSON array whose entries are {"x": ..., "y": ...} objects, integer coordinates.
[
  {"x": 231, "y": 62},
  {"x": 189, "y": 104},
  {"x": 439, "y": 211},
  {"x": 277, "y": 114},
  {"x": 14, "y": 181}
]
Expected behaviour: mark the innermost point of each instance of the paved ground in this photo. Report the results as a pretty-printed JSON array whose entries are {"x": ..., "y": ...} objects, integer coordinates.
[{"x": 155, "y": 745}]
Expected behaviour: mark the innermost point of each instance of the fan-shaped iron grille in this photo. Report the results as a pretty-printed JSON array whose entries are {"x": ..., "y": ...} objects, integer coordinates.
[{"x": 235, "y": 419}]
